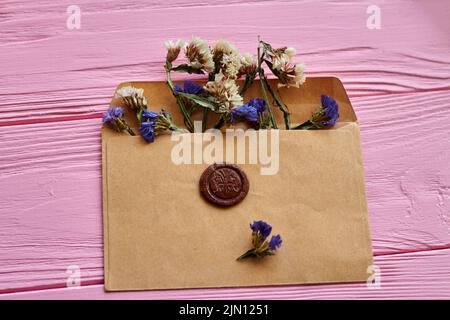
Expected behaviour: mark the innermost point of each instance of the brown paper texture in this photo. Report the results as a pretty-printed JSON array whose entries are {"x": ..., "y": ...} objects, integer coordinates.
[{"x": 159, "y": 233}]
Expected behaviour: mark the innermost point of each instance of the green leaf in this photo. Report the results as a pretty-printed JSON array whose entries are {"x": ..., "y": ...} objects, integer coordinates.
[
  {"x": 205, "y": 102},
  {"x": 187, "y": 68}
]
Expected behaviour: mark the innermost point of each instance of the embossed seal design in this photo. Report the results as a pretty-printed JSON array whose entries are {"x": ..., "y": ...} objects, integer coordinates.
[{"x": 224, "y": 184}]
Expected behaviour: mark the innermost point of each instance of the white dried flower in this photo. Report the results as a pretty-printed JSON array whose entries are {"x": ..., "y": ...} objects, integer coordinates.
[
  {"x": 199, "y": 55},
  {"x": 248, "y": 65},
  {"x": 173, "y": 49},
  {"x": 129, "y": 91},
  {"x": 247, "y": 60},
  {"x": 224, "y": 46},
  {"x": 226, "y": 92},
  {"x": 299, "y": 72},
  {"x": 279, "y": 61},
  {"x": 226, "y": 59},
  {"x": 231, "y": 64},
  {"x": 290, "y": 52},
  {"x": 133, "y": 97},
  {"x": 292, "y": 75}
]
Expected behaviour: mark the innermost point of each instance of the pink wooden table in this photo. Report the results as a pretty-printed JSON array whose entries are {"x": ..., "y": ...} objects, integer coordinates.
[{"x": 56, "y": 82}]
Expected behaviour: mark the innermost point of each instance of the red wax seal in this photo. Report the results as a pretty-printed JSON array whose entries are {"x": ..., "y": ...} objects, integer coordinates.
[{"x": 224, "y": 184}]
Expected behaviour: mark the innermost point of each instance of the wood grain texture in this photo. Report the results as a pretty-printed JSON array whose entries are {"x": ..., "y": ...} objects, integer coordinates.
[
  {"x": 71, "y": 73},
  {"x": 55, "y": 83}
]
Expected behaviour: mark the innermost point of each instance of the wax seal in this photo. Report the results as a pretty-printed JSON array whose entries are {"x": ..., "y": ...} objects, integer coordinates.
[{"x": 224, "y": 184}]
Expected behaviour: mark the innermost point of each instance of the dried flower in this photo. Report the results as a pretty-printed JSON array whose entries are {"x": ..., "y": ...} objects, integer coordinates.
[
  {"x": 325, "y": 117},
  {"x": 129, "y": 91},
  {"x": 328, "y": 114},
  {"x": 114, "y": 118},
  {"x": 226, "y": 59},
  {"x": 291, "y": 75},
  {"x": 275, "y": 242},
  {"x": 150, "y": 116},
  {"x": 248, "y": 66},
  {"x": 190, "y": 87},
  {"x": 290, "y": 52},
  {"x": 173, "y": 49},
  {"x": 253, "y": 111},
  {"x": 133, "y": 97},
  {"x": 279, "y": 57},
  {"x": 279, "y": 62},
  {"x": 246, "y": 112},
  {"x": 261, "y": 247},
  {"x": 147, "y": 131},
  {"x": 225, "y": 91},
  {"x": 199, "y": 55},
  {"x": 262, "y": 227},
  {"x": 153, "y": 123}
]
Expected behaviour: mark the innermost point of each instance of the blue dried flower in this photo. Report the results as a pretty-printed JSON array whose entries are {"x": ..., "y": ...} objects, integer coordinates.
[
  {"x": 190, "y": 87},
  {"x": 246, "y": 112},
  {"x": 325, "y": 117},
  {"x": 250, "y": 111},
  {"x": 114, "y": 118},
  {"x": 261, "y": 247},
  {"x": 112, "y": 114},
  {"x": 147, "y": 131},
  {"x": 330, "y": 110},
  {"x": 275, "y": 242},
  {"x": 259, "y": 104},
  {"x": 150, "y": 116},
  {"x": 262, "y": 227}
]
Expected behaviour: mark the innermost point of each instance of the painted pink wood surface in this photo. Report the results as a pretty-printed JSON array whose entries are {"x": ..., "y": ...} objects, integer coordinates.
[{"x": 55, "y": 83}]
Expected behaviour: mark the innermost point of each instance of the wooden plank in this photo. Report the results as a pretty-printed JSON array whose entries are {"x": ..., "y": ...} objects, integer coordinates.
[
  {"x": 419, "y": 275},
  {"x": 50, "y": 72},
  {"x": 50, "y": 188}
]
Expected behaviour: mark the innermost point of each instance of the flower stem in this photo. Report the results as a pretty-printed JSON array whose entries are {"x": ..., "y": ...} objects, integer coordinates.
[
  {"x": 187, "y": 117},
  {"x": 130, "y": 131},
  {"x": 305, "y": 126},
  {"x": 248, "y": 82},
  {"x": 280, "y": 104},
  {"x": 219, "y": 123},
  {"x": 248, "y": 254},
  {"x": 261, "y": 76}
]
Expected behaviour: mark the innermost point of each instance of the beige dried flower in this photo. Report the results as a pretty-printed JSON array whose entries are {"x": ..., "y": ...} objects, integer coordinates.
[
  {"x": 248, "y": 65},
  {"x": 133, "y": 97},
  {"x": 226, "y": 59},
  {"x": 225, "y": 91},
  {"x": 291, "y": 75},
  {"x": 173, "y": 49},
  {"x": 290, "y": 52},
  {"x": 199, "y": 55}
]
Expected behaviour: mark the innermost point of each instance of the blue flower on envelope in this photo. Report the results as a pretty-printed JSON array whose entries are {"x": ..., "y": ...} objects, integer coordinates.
[
  {"x": 113, "y": 117},
  {"x": 155, "y": 122},
  {"x": 325, "y": 117},
  {"x": 190, "y": 87},
  {"x": 261, "y": 246},
  {"x": 253, "y": 111}
]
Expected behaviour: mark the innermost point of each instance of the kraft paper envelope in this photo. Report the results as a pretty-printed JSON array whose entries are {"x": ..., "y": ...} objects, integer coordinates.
[{"x": 159, "y": 233}]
